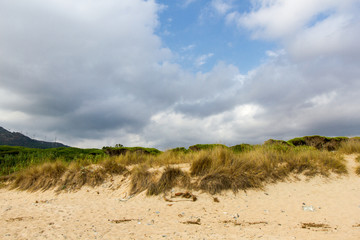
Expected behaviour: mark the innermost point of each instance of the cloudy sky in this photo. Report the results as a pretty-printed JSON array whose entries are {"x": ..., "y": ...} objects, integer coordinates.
[{"x": 166, "y": 73}]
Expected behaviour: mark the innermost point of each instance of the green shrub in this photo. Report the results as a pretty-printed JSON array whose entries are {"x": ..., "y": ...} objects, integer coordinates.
[
  {"x": 242, "y": 148},
  {"x": 199, "y": 147}
]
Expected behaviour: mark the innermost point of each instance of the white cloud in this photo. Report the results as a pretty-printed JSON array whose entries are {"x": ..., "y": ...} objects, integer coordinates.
[
  {"x": 187, "y": 2},
  {"x": 201, "y": 60},
  {"x": 306, "y": 28},
  {"x": 281, "y": 18},
  {"x": 222, "y": 6},
  {"x": 274, "y": 54},
  {"x": 188, "y": 47},
  {"x": 323, "y": 99},
  {"x": 334, "y": 35}
]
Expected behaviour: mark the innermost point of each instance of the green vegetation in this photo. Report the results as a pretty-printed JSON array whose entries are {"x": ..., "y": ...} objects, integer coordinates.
[
  {"x": 13, "y": 159},
  {"x": 199, "y": 147},
  {"x": 115, "y": 151},
  {"x": 242, "y": 147},
  {"x": 319, "y": 142},
  {"x": 179, "y": 149},
  {"x": 208, "y": 167}
]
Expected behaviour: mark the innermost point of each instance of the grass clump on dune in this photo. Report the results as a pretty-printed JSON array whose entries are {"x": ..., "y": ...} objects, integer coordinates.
[
  {"x": 141, "y": 179},
  {"x": 350, "y": 146},
  {"x": 221, "y": 169},
  {"x": 64, "y": 176},
  {"x": 77, "y": 176},
  {"x": 112, "y": 167},
  {"x": 357, "y": 171},
  {"x": 170, "y": 178},
  {"x": 41, "y": 177}
]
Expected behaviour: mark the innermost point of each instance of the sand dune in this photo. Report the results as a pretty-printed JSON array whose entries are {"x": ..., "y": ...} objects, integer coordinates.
[{"x": 319, "y": 208}]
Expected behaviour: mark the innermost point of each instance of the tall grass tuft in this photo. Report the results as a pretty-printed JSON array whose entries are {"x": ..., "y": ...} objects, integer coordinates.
[
  {"x": 170, "y": 178},
  {"x": 77, "y": 176},
  {"x": 222, "y": 169},
  {"x": 216, "y": 182},
  {"x": 357, "y": 170},
  {"x": 350, "y": 146},
  {"x": 112, "y": 167},
  {"x": 202, "y": 164},
  {"x": 141, "y": 179},
  {"x": 41, "y": 177}
]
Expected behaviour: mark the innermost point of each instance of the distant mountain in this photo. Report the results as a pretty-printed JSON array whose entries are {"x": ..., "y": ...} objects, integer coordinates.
[{"x": 18, "y": 139}]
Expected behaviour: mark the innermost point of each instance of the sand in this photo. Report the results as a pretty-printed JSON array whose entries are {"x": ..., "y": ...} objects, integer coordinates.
[{"x": 277, "y": 212}]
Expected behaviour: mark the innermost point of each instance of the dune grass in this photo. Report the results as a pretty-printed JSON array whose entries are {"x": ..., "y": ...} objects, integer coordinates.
[
  {"x": 141, "y": 178},
  {"x": 212, "y": 169},
  {"x": 221, "y": 169},
  {"x": 42, "y": 177},
  {"x": 63, "y": 176},
  {"x": 170, "y": 178},
  {"x": 357, "y": 171},
  {"x": 350, "y": 146}
]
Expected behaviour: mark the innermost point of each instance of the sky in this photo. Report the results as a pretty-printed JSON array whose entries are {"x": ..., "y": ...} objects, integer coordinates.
[{"x": 166, "y": 73}]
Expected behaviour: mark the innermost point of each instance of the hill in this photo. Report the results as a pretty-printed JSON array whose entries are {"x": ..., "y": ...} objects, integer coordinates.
[{"x": 18, "y": 139}]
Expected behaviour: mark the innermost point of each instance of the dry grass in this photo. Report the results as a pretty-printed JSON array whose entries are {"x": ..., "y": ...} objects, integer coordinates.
[
  {"x": 202, "y": 164},
  {"x": 132, "y": 158},
  {"x": 350, "y": 146},
  {"x": 217, "y": 182},
  {"x": 64, "y": 176},
  {"x": 42, "y": 177},
  {"x": 111, "y": 166},
  {"x": 77, "y": 176},
  {"x": 211, "y": 170},
  {"x": 221, "y": 169},
  {"x": 357, "y": 170},
  {"x": 163, "y": 159},
  {"x": 171, "y": 157},
  {"x": 141, "y": 179},
  {"x": 170, "y": 178}
]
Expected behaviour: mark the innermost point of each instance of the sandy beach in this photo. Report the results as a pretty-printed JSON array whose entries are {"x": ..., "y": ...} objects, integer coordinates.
[{"x": 318, "y": 208}]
